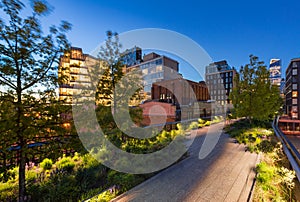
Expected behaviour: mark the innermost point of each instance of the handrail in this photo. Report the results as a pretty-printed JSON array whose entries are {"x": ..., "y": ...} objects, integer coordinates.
[{"x": 289, "y": 149}]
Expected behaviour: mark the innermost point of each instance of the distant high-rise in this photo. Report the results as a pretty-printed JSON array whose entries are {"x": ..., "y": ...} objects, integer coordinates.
[
  {"x": 219, "y": 77},
  {"x": 132, "y": 56},
  {"x": 275, "y": 72}
]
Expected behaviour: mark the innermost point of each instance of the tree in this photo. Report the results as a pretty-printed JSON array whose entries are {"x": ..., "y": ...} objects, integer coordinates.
[
  {"x": 114, "y": 87},
  {"x": 28, "y": 76},
  {"x": 253, "y": 96},
  {"x": 110, "y": 57}
]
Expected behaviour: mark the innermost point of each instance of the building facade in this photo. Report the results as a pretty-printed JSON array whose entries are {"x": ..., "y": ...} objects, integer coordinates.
[
  {"x": 73, "y": 73},
  {"x": 155, "y": 67},
  {"x": 131, "y": 57},
  {"x": 219, "y": 77},
  {"x": 275, "y": 72},
  {"x": 179, "y": 91},
  {"x": 157, "y": 113},
  {"x": 189, "y": 97},
  {"x": 292, "y": 83}
]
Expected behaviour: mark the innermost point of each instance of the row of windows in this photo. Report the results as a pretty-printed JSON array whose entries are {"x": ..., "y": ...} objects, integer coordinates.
[
  {"x": 152, "y": 70},
  {"x": 215, "y": 92},
  {"x": 151, "y": 78},
  {"x": 218, "y": 97},
  {"x": 215, "y": 81},
  {"x": 220, "y": 75},
  {"x": 151, "y": 64},
  {"x": 226, "y": 86}
]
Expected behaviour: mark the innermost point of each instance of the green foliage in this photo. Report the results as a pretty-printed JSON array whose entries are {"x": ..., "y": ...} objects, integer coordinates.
[
  {"x": 274, "y": 182},
  {"x": 267, "y": 146},
  {"x": 253, "y": 95},
  {"x": 265, "y": 173},
  {"x": 66, "y": 164},
  {"x": 193, "y": 125},
  {"x": 105, "y": 196},
  {"x": 9, "y": 191},
  {"x": 31, "y": 176},
  {"x": 46, "y": 164},
  {"x": 123, "y": 181},
  {"x": 28, "y": 69},
  {"x": 257, "y": 139}
]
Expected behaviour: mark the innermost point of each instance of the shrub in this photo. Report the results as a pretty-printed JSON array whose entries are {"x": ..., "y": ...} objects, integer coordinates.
[
  {"x": 105, "y": 196},
  {"x": 76, "y": 157},
  {"x": 265, "y": 173},
  {"x": 8, "y": 191},
  {"x": 193, "y": 125},
  {"x": 267, "y": 146},
  {"x": 66, "y": 164},
  {"x": 31, "y": 176},
  {"x": 207, "y": 123},
  {"x": 124, "y": 181},
  {"x": 46, "y": 164}
]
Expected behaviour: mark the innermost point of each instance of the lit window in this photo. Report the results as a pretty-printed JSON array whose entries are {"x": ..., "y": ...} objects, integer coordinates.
[
  {"x": 159, "y": 68},
  {"x": 294, "y": 94},
  {"x": 295, "y": 101},
  {"x": 295, "y": 109}
]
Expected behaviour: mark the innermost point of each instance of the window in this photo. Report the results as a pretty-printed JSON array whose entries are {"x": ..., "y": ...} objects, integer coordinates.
[
  {"x": 145, "y": 71},
  {"x": 159, "y": 68},
  {"x": 294, "y": 64},
  {"x": 294, "y": 102},
  {"x": 295, "y": 71},
  {"x": 295, "y": 86},
  {"x": 294, "y": 94}
]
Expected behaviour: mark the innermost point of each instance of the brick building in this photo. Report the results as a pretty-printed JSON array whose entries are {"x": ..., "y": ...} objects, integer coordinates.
[{"x": 189, "y": 97}]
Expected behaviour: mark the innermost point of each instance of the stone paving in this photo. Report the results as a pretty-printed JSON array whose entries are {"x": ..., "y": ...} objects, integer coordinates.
[{"x": 226, "y": 174}]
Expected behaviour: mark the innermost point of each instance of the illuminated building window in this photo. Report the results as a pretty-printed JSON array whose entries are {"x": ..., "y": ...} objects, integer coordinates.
[
  {"x": 295, "y": 101},
  {"x": 294, "y": 94}
]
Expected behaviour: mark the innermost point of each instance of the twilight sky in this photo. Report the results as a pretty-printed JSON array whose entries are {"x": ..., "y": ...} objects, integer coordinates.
[{"x": 230, "y": 30}]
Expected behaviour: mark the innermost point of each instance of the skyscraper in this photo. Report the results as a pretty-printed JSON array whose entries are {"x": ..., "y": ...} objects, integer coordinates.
[{"x": 275, "y": 72}]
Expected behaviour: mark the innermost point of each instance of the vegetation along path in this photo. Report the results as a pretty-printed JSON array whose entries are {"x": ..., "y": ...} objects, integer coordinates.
[{"x": 226, "y": 174}]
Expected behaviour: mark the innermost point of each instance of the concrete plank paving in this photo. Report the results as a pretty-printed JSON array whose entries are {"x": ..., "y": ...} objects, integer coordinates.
[{"x": 226, "y": 174}]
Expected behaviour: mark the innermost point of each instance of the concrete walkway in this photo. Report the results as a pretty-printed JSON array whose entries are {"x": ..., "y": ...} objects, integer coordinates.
[{"x": 226, "y": 174}]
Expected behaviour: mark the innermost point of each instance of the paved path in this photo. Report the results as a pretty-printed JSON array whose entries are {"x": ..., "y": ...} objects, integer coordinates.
[{"x": 226, "y": 174}]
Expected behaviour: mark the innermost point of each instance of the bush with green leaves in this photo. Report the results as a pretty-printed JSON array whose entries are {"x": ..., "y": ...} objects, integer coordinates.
[
  {"x": 46, "y": 164},
  {"x": 9, "y": 190},
  {"x": 66, "y": 164},
  {"x": 193, "y": 125}
]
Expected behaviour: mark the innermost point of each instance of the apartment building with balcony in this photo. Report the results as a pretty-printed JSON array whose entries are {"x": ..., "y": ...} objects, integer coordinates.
[{"x": 73, "y": 73}]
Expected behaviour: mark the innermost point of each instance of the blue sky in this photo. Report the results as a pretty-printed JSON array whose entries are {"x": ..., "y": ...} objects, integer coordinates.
[{"x": 230, "y": 30}]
